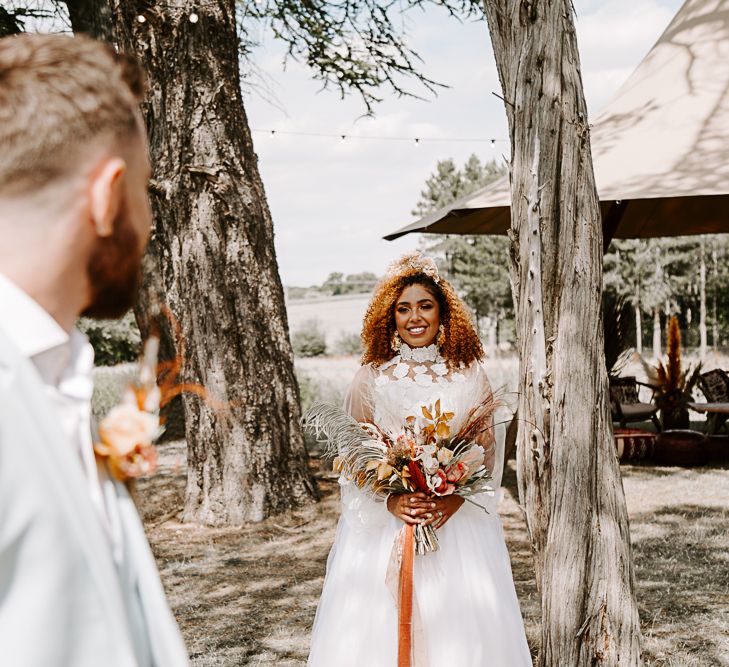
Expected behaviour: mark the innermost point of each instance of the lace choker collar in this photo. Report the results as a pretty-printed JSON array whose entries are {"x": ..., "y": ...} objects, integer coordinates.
[{"x": 420, "y": 354}]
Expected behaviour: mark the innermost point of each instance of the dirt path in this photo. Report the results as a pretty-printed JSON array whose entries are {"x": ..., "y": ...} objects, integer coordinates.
[{"x": 247, "y": 596}]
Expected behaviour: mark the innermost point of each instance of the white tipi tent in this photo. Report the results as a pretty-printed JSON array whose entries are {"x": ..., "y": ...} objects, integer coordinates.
[{"x": 660, "y": 148}]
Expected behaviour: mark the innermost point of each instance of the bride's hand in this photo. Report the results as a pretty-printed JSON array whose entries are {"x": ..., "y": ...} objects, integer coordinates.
[
  {"x": 412, "y": 508},
  {"x": 445, "y": 508}
]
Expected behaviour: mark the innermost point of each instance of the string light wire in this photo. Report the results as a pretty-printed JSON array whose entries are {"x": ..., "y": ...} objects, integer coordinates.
[{"x": 377, "y": 137}]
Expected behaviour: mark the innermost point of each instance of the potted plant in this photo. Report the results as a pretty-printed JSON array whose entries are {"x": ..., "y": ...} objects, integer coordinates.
[{"x": 672, "y": 385}]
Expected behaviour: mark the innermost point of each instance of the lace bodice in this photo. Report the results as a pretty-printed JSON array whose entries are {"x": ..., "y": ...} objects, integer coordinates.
[
  {"x": 389, "y": 393},
  {"x": 417, "y": 377}
]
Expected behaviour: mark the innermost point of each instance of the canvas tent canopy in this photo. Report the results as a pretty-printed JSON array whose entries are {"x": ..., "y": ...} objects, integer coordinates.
[{"x": 660, "y": 148}]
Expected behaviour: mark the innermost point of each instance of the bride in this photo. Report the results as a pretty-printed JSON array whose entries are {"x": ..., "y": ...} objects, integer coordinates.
[{"x": 420, "y": 346}]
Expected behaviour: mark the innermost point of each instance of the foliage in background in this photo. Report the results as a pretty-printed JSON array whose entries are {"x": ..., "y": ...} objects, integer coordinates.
[
  {"x": 662, "y": 275},
  {"x": 336, "y": 284},
  {"x": 476, "y": 265},
  {"x": 114, "y": 341},
  {"x": 109, "y": 385},
  {"x": 449, "y": 183},
  {"x": 349, "y": 345},
  {"x": 354, "y": 46},
  {"x": 309, "y": 340},
  {"x": 314, "y": 389},
  {"x": 619, "y": 332},
  {"x": 355, "y": 283}
]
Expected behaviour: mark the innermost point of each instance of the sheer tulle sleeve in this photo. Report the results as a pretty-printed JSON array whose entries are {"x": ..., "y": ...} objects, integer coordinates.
[
  {"x": 493, "y": 437},
  {"x": 359, "y": 402},
  {"x": 360, "y": 509}
]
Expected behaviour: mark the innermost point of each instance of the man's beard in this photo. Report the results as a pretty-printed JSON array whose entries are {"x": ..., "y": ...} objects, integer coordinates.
[{"x": 114, "y": 271}]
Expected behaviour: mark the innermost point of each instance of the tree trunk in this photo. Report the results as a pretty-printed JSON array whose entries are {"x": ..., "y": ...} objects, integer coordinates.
[
  {"x": 93, "y": 17},
  {"x": 638, "y": 330},
  {"x": 9, "y": 25},
  {"x": 569, "y": 480},
  {"x": 702, "y": 297},
  {"x": 211, "y": 260},
  {"x": 656, "y": 333}
]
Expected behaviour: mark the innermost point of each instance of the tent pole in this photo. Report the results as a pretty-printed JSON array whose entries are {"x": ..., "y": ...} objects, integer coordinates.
[{"x": 611, "y": 221}]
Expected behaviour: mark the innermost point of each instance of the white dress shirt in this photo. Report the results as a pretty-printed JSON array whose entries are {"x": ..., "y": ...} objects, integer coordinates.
[
  {"x": 65, "y": 363},
  {"x": 65, "y": 360}
]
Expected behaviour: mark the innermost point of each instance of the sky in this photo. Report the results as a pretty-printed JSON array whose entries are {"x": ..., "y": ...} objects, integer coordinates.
[{"x": 332, "y": 201}]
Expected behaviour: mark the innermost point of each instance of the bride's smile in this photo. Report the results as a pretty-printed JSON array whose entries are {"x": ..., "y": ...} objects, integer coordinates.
[
  {"x": 422, "y": 357},
  {"x": 417, "y": 316}
]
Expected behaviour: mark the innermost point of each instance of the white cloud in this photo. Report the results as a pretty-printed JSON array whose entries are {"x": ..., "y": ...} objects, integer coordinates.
[{"x": 332, "y": 202}]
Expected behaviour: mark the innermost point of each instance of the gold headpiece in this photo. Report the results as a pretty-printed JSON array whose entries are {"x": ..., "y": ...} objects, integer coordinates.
[{"x": 414, "y": 262}]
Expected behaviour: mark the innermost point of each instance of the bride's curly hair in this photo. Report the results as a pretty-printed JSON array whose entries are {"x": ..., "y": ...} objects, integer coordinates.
[{"x": 460, "y": 343}]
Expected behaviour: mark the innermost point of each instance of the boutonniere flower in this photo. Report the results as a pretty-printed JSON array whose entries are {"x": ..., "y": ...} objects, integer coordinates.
[{"x": 128, "y": 432}]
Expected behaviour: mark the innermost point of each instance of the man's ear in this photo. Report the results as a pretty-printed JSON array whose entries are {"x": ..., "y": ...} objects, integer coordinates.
[{"x": 106, "y": 192}]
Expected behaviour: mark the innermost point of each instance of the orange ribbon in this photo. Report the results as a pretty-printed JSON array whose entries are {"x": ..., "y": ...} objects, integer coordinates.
[{"x": 405, "y": 600}]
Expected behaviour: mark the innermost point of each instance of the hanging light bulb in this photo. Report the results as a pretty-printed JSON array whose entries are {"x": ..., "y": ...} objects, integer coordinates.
[
  {"x": 194, "y": 17},
  {"x": 273, "y": 133},
  {"x": 493, "y": 143},
  {"x": 344, "y": 138},
  {"x": 141, "y": 19},
  {"x": 417, "y": 141}
]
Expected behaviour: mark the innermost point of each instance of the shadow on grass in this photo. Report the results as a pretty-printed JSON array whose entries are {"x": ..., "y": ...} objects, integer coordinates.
[
  {"x": 247, "y": 596},
  {"x": 242, "y": 596},
  {"x": 682, "y": 571}
]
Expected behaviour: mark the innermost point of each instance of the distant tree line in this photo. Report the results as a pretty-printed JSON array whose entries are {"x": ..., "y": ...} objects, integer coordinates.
[
  {"x": 475, "y": 264},
  {"x": 336, "y": 284},
  {"x": 683, "y": 276}
]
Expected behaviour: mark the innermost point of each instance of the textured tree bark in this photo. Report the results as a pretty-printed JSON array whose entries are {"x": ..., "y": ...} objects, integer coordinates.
[
  {"x": 211, "y": 260},
  {"x": 569, "y": 480},
  {"x": 92, "y": 17},
  {"x": 638, "y": 329},
  {"x": 8, "y": 24}
]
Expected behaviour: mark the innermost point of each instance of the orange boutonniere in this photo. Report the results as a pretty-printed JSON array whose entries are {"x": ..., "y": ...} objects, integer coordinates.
[{"x": 128, "y": 432}]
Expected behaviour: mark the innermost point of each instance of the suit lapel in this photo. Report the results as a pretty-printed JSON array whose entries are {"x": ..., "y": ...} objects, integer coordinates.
[{"x": 27, "y": 402}]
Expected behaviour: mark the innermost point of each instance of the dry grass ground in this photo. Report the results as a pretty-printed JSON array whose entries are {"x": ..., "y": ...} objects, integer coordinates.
[{"x": 247, "y": 596}]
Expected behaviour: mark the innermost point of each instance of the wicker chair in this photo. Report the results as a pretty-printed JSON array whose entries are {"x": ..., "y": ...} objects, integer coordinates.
[
  {"x": 715, "y": 386},
  {"x": 625, "y": 403}
]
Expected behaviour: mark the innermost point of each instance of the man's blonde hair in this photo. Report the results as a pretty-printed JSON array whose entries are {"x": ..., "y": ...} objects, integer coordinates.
[{"x": 59, "y": 97}]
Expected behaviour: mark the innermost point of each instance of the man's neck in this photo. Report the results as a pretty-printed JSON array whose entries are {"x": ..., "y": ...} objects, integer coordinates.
[
  {"x": 53, "y": 291},
  {"x": 45, "y": 259}
]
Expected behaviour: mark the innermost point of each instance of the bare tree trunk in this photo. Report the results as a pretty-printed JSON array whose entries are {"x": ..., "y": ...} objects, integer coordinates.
[
  {"x": 702, "y": 297},
  {"x": 569, "y": 480},
  {"x": 212, "y": 262},
  {"x": 92, "y": 17},
  {"x": 657, "y": 333},
  {"x": 638, "y": 327},
  {"x": 9, "y": 25}
]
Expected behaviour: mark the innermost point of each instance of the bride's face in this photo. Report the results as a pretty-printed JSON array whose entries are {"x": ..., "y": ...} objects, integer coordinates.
[{"x": 417, "y": 316}]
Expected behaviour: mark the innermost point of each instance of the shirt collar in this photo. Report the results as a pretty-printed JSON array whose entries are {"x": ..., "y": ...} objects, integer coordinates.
[{"x": 30, "y": 328}]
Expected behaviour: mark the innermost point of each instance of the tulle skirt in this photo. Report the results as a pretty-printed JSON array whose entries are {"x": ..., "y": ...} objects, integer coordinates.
[{"x": 468, "y": 609}]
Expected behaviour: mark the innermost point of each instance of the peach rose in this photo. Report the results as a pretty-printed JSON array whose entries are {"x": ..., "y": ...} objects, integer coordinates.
[
  {"x": 457, "y": 472},
  {"x": 474, "y": 458},
  {"x": 141, "y": 460},
  {"x": 125, "y": 427}
]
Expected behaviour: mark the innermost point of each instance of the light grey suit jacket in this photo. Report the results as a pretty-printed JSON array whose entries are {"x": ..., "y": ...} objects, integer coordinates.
[{"x": 62, "y": 599}]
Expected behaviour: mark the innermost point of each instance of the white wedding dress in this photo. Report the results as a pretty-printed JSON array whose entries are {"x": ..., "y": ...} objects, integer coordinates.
[{"x": 464, "y": 592}]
